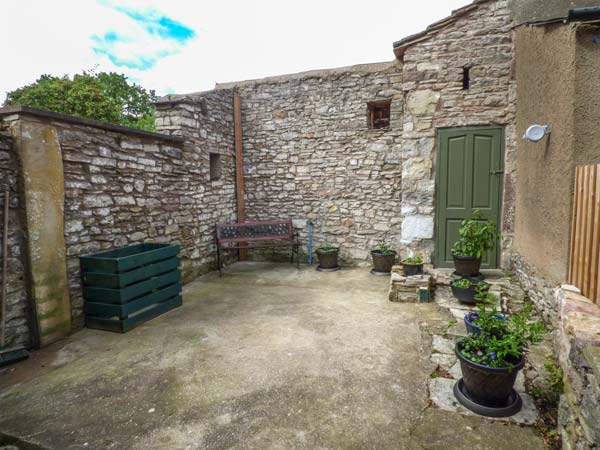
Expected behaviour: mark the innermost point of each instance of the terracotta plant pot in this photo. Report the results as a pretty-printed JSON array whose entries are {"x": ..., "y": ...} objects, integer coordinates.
[
  {"x": 328, "y": 260},
  {"x": 466, "y": 266},
  {"x": 383, "y": 263},
  {"x": 488, "y": 386}
]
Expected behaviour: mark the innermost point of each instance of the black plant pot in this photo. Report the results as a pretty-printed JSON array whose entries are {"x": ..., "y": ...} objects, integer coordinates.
[
  {"x": 464, "y": 295},
  {"x": 382, "y": 263},
  {"x": 412, "y": 269},
  {"x": 491, "y": 387},
  {"x": 471, "y": 322},
  {"x": 328, "y": 260},
  {"x": 467, "y": 295},
  {"x": 466, "y": 266}
]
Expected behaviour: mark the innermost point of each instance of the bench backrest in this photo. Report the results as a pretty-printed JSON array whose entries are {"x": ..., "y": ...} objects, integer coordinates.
[{"x": 267, "y": 230}]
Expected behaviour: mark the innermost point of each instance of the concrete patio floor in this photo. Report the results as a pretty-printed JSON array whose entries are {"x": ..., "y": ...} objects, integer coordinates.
[{"x": 266, "y": 357}]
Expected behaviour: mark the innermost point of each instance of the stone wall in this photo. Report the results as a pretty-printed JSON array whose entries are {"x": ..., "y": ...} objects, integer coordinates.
[
  {"x": 204, "y": 121},
  {"x": 579, "y": 357},
  {"x": 18, "y": 311},
  {"x": 309, "y": 154},
  {"x": 432, "y": 85},
  {"x": 123, "y": 187}
]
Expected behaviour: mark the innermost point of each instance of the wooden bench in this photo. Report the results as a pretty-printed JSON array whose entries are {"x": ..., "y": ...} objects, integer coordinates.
[{"x": 258, "y": 234}]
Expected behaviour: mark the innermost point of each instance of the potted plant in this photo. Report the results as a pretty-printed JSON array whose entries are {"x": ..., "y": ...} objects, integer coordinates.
[
  {"x": 471, "y": 319},
  {"x": 477, "y": 236},
  {"x": 412, "y": 266},
  {"x": 466, "y": 290},
  {"x": 491, "y": 360},
  {"x": 328, "y": 257},
  {"x": 384, "y": 258}
]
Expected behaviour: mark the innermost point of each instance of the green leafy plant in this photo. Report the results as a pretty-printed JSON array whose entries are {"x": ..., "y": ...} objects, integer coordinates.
[
  {"x": 107, "y": 97},
  {"x": 481, "y": 291},
  {"x": 413, "y": 261},
  {"x": 385, "y": 249},
  {"x": 463, "y": 283},
  {"x": 555, "y": 377},
  {"x": 477, "y": 236},
  {"x": 555, "y": 383},
  {"x": 326, "y": 249},
  {"x": 501, "y": 343}
]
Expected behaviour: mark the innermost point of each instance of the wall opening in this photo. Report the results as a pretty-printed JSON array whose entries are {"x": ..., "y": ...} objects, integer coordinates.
[
  {"x": 379, "y": 114},
  {"x": 466, "y": 78},
  {"x": 215, "y": 166}
]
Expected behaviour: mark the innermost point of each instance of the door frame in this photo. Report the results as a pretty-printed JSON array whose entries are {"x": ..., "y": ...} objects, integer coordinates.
[{"x": 502, "y": 129}]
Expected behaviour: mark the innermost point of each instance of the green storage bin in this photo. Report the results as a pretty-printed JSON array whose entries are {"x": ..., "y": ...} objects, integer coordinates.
[{"x": 125, "y": 287}]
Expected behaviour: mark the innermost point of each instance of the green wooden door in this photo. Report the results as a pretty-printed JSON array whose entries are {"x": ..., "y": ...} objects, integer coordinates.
[{"x": 469, "y": 172}]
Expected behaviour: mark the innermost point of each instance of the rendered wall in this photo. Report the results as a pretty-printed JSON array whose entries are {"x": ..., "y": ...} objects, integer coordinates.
[
  {"x": 546, "y": 93},
  {"x": 557, "y": 67},
  {"x": 539, "y": 10}
]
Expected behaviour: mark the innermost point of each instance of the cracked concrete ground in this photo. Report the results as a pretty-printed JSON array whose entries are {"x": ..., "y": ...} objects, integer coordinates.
[{"x": 266, "y": 357}]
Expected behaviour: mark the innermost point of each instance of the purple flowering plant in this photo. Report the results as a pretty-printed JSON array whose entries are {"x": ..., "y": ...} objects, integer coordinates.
[{"x": 501, "y": 343}]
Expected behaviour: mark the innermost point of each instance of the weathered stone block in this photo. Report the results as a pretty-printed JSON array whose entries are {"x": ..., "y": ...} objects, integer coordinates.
[{"x": 406, "y": 289}]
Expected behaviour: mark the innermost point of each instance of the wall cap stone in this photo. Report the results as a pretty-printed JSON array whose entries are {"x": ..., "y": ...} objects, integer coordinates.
[
  {"x": 50, "y": 115},
  {"x": 319, "y": 73}
]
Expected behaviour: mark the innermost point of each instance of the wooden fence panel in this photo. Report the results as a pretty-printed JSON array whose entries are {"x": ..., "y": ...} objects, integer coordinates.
[{"x": 585, "y": 233}]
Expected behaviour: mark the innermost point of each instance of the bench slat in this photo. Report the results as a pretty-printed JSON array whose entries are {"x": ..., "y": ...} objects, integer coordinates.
[{"x": 267, "y": 230}]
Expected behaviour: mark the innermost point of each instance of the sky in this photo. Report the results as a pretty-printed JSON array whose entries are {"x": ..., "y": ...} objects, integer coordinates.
[{"x": 181, "y": 46}]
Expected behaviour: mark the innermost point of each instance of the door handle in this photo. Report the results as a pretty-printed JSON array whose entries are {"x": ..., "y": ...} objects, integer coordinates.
[{"x": 496, "y": 172}]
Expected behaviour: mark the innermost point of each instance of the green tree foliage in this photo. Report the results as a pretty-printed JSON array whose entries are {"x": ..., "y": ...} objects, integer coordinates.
[{"x": 103, "y": 96}]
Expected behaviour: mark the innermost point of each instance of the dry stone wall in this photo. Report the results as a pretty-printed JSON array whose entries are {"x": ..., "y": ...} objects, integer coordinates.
[
  {"x": 18, "y": 311},
  {"x": 432, "y": 83},
  {"x": 124, "y": 187},
  {"x": 204, "y": 121},
  {"x": 310, "y": 155}
]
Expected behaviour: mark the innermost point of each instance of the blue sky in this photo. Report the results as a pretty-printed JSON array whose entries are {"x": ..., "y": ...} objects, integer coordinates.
[{"x": 186, "y": 46}]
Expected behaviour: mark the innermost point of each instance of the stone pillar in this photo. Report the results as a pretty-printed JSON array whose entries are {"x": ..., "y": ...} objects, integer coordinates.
[{"x": 40, "y": 159}]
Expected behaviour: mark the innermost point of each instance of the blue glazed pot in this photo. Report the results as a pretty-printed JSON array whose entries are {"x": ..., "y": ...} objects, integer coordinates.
[{"x": 471, "y": 322}]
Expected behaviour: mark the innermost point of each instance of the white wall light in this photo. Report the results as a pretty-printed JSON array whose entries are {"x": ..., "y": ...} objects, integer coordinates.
[{"x": 535, "y": 133}]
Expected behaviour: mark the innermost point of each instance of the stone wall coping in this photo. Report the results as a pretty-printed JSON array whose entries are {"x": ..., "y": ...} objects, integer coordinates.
[
  {"x": 580, "y": 317},
  {"x": 192, "y": 98},
  {"x": 50, "y": 115},
  {"x": 195, "y": 97},
  {"x": 401, "y": 45},
  {"x": 318, "y": 73}
]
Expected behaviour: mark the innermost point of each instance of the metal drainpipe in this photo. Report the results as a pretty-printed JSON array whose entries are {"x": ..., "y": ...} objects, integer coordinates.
[{"x": 310, "y": 252}]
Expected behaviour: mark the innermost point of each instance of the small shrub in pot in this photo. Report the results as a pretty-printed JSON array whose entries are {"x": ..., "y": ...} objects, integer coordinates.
[
  {"x": 477, "y": 236},
  {"x": 467, "y": 290},
  {"x": 491, "y": 360},
  {"x": 471, "y": 319},
  {"x": 384, "y": 257},
  {"x": 328, "y": 256},
  {"x": 412, "y": 266}
]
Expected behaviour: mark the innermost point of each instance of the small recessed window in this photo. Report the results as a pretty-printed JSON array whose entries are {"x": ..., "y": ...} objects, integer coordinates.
[
  {"x": 466, "y": 78},
  {"x": 379, "y": 114},
  {"x": 215, "y": 166}
]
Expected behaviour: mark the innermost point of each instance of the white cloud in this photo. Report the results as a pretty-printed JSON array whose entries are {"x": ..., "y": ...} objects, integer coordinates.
[{"x": 234, "y": 40}]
